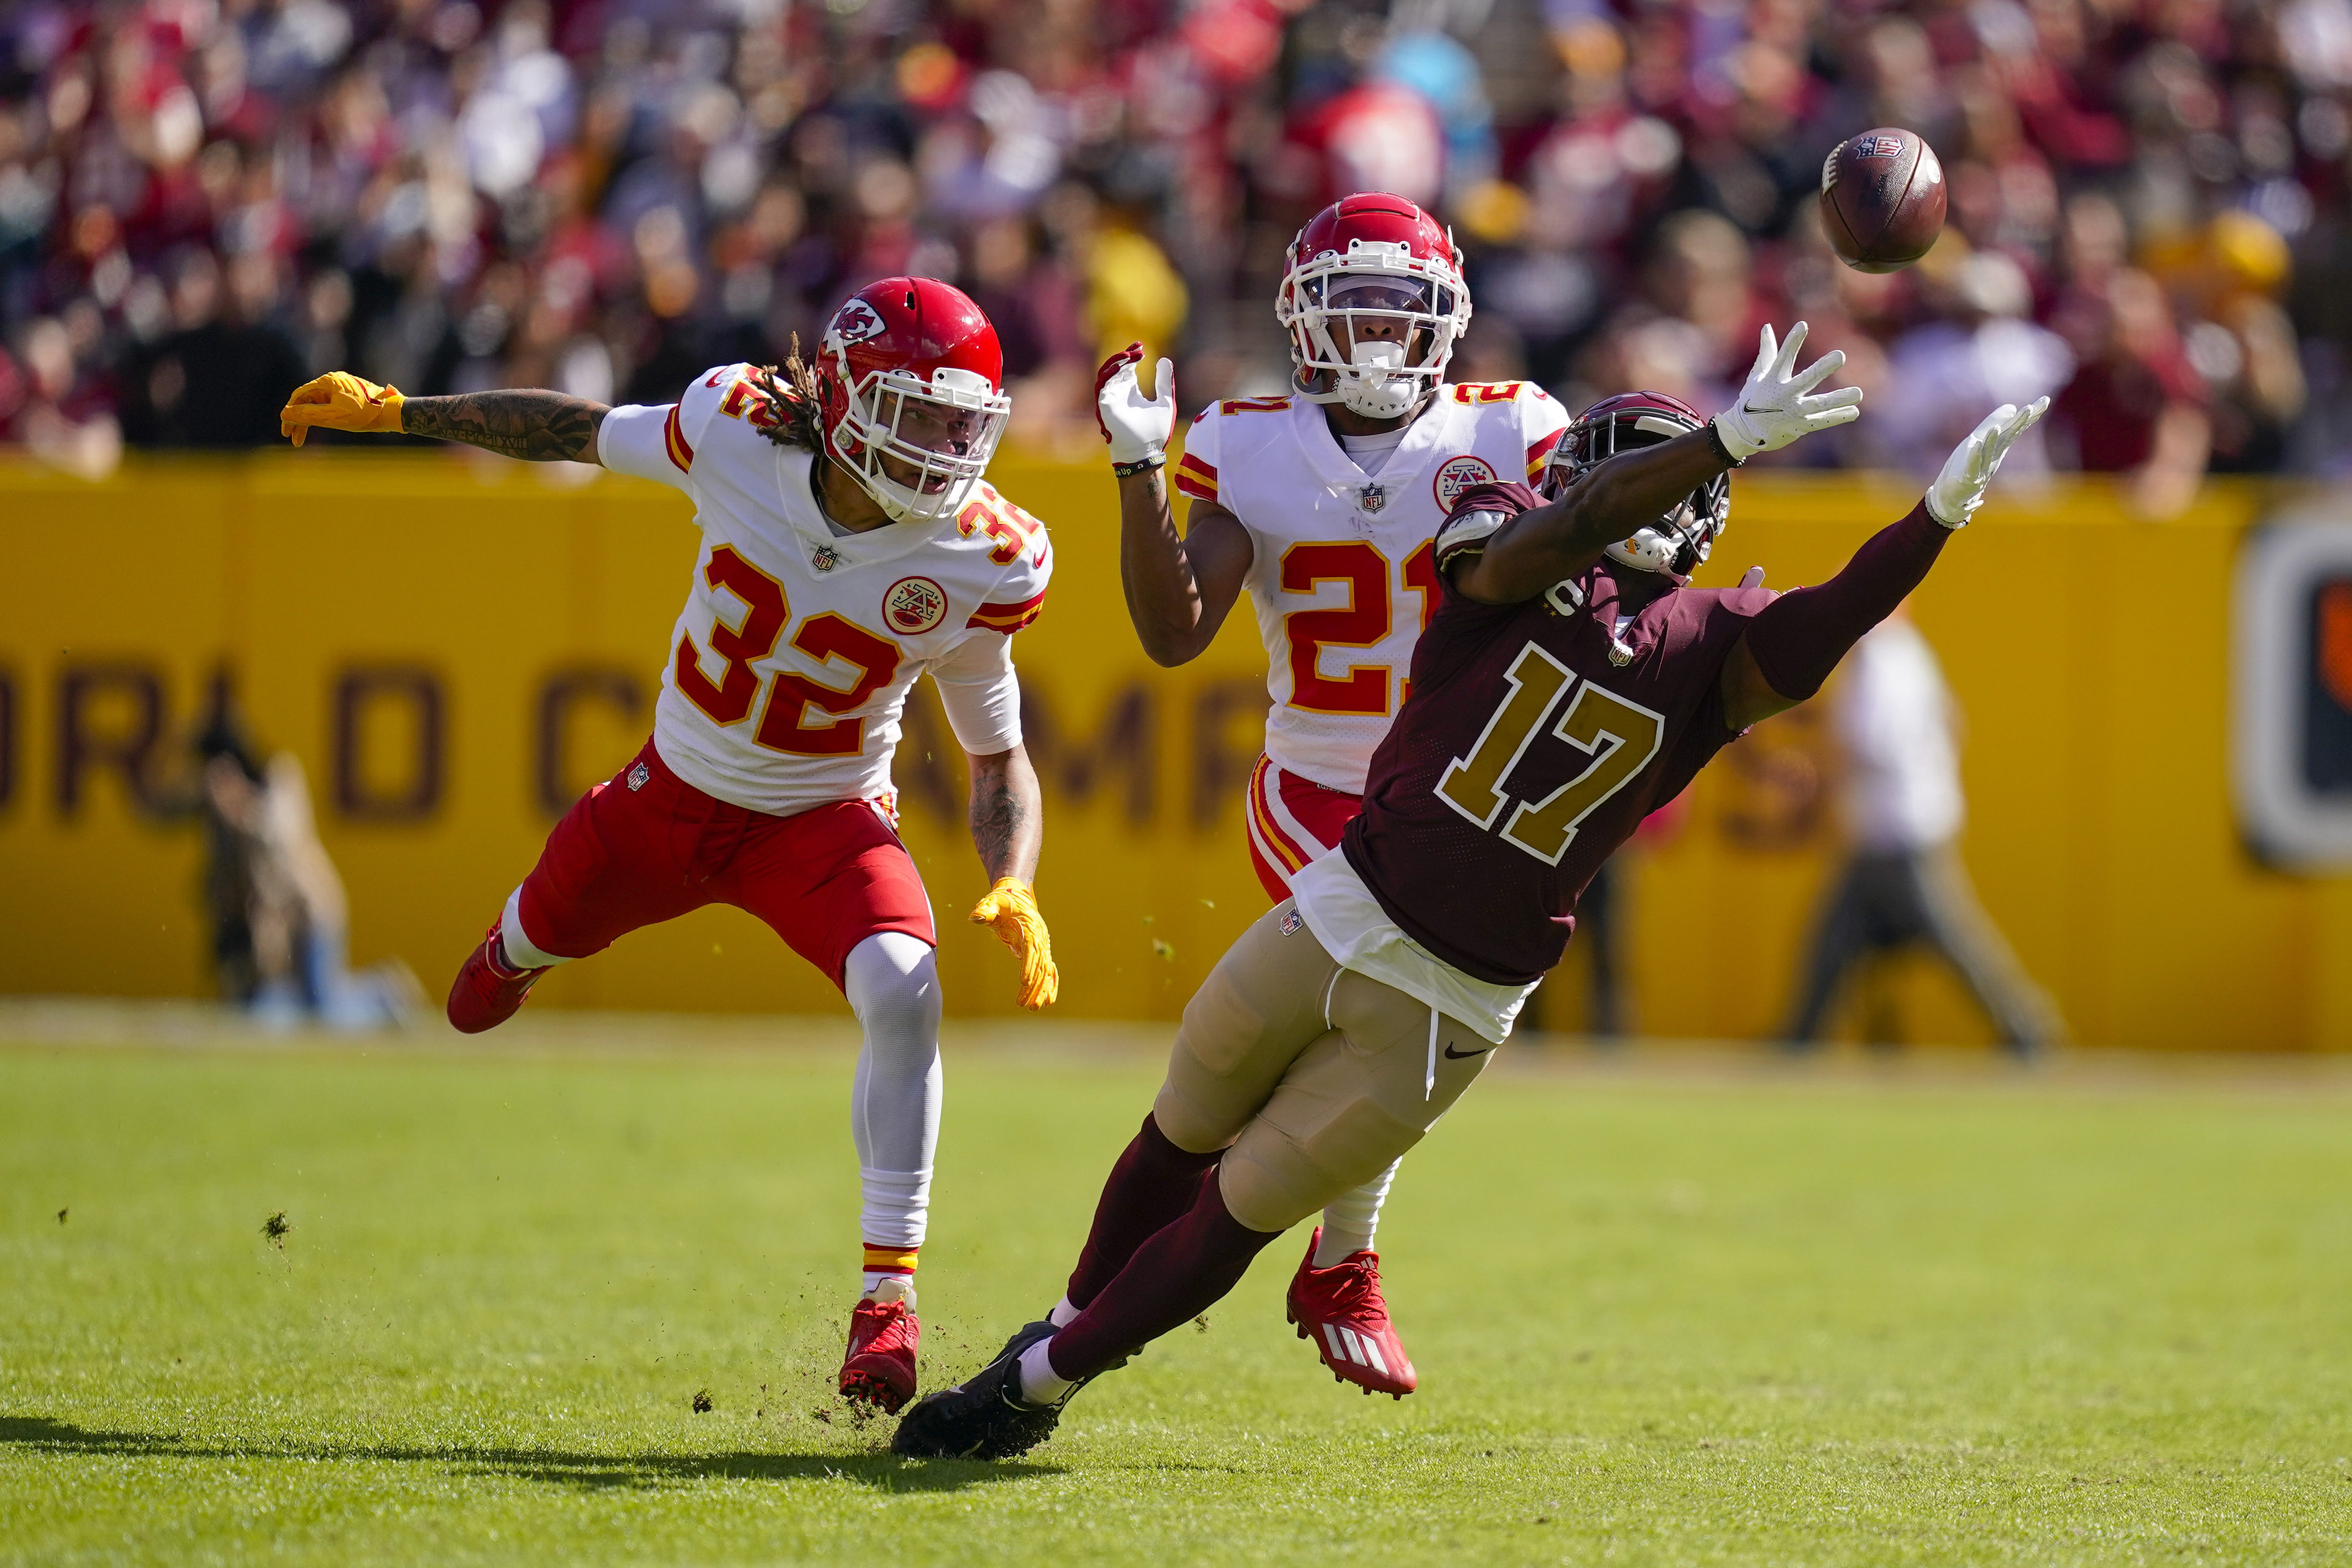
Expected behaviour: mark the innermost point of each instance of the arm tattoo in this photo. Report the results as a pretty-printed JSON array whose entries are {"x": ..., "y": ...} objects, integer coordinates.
[
  {"x": 998, "y": 817},
  {"x": 539, "y": 426}
]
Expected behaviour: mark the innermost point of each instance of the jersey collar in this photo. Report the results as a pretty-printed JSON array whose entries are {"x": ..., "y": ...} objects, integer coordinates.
[
  {"x": 1433, "y": 432},
  {"x": 827, "y": 551}
]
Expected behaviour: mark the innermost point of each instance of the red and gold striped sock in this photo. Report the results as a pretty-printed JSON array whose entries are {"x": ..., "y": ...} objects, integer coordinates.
[{"x": 886, "y": 1263}]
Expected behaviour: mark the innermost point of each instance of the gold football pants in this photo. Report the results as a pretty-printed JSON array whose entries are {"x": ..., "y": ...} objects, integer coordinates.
[{"x": 1311, "y": 1077}]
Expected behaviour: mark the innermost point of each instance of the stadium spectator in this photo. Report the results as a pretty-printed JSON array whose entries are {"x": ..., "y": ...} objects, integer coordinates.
[
  {"x": 1903, "y": 884},
  {"x": 607, "y": 193}
]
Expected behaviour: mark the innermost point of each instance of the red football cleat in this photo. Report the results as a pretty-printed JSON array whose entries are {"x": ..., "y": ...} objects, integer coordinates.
[
  {"x": 1340, "y": 1309},
  {"x": 879, "y": 1368},
  {"x": 488, "y": 989}
]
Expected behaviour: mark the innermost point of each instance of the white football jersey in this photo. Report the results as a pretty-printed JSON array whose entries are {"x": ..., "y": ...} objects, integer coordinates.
[
  {"x": 789, "y": 665},
  {"x": 1341, "y": 571}
]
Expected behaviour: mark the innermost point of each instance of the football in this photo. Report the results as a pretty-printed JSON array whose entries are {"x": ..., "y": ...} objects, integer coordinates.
[{"x": 1882, "y": 200}]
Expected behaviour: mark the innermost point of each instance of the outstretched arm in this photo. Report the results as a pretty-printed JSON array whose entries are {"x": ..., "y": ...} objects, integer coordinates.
[
  {"x": 1776, "y": 406},
  {"x": 537, "y": 425},
  {"x": 1543, "y": 545},
  {"x": 1179, "y": 587},
  {"x": 529, "y": 423},
  {"x": 1794, "y": 642}
]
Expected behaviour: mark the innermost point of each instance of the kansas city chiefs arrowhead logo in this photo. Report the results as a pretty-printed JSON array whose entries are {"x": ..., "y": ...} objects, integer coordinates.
[{"x": 855, "y": 322}]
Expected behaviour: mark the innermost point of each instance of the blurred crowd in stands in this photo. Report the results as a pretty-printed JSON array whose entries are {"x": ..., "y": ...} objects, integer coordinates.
[{"x": 202, "y": 202}]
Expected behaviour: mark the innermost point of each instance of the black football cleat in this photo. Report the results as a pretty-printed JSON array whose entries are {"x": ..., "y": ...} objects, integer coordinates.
[{"x": 984, "y": 1416}]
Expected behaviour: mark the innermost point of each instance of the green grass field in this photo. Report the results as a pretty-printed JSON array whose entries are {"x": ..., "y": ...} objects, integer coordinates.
[{"x": 1662, "y": 1314}]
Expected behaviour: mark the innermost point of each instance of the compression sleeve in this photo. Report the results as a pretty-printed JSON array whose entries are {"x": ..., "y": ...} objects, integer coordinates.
[
  {"x": 1798, "y": 637},
  {"x": 981, "y": 694}
]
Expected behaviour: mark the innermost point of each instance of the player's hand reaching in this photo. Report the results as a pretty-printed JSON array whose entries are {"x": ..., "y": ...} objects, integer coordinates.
[
  {"x": 1137, "y": 427},
  {"x": 1778, "y": 404},
  {"x": 340, "y": 401},
  {"x": 1011, "y": 911},
  {"x": 1959, "y": 489}
]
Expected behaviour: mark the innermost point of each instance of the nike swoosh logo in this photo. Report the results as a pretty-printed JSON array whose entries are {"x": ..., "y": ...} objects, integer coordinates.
[{"x": 1466, "y": 1056}]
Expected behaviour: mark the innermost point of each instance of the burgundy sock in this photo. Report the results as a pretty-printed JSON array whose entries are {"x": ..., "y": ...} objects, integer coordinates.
[
  {"x": 1153, "y": 1183},
  {"x": 1172, "y": 1279}
]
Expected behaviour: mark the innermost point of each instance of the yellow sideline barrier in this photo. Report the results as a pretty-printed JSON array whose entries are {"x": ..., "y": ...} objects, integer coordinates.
[{"x": 455, "y": 648}]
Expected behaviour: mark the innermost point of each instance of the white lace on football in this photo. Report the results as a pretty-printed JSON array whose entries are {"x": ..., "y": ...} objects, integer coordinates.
[
  {"x": 917, "y": 446},
  {"x": 1327, "y": 301}
]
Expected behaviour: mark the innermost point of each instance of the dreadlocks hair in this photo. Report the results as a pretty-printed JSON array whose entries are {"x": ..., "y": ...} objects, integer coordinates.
[{"x": 793, "y": 394}]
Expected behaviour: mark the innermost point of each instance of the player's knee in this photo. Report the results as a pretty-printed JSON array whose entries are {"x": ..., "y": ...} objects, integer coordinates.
[
  {"x": 893, "y": 984},
  {"x": 1191, "y": 1124},
  {"x": 1269, "y": 1183}
]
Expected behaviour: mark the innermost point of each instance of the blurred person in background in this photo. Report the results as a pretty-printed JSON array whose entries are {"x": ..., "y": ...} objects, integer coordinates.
[
  {"x": 55, "y": 406},
  {"x": 452, "y": 197},
  {"x": 279, "y": 918},
  {"x": 1903, "y": 884},
  {"x": 1980, "y": 348}
]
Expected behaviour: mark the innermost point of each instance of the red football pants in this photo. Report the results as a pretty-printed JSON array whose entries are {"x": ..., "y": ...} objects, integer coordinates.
[
  {"x": 645, "y": 847},
  {"x": 1292, "y": 821}
]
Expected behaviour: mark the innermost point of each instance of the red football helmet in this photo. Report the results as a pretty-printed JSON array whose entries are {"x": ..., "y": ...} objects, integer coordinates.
[
  {"x": 1680, "y": 540},
  {"x": 910, "y": 392},
  {"x": 1385, "y": 274}
]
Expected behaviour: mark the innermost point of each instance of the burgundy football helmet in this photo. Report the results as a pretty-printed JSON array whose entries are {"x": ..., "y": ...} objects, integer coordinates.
[
  {"x": 1680, "y": 540},
  {"x": 911, "y": 393},
  {"x": 1372, "y": 257}
]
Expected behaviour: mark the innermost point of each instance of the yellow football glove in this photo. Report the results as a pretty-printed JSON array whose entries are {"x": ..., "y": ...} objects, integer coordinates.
[
  {"x": 1011, "y": 908},
  {"x": 340, "y": 401}
]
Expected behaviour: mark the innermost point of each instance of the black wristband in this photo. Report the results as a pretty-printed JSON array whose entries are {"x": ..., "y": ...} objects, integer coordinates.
[
  {"x": 1722, "y": 452},
  {"x": 1141, "y": 466}
]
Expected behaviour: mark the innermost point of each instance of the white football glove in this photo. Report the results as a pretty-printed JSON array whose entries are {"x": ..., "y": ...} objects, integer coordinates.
[
  {"x": 1138, "y": 428},
  {"x": 1959, "y": 489},
  {"x": 1776, "y": 407}
]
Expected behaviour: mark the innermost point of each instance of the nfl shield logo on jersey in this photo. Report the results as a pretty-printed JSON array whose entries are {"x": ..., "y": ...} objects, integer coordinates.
[
  {"x": 1292, "y": 921},
  {"x": 1373, "y": 498},
  {"x": 1458, "y": 476},
  {"x": 914, "y": 605},
  {"x": 637, "y": 777}
]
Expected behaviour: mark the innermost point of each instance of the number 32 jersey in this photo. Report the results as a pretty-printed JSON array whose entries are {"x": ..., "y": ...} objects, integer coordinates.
[
  {"x": 1341, "y": 574},
  {"x": 1527, "y": 755},
  {"x": 790, "y": 667}
]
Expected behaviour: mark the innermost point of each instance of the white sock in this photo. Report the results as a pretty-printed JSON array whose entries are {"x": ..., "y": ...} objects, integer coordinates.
[
  {"x": 880, "y": 1287},
  {"x": 521, "y": 953},
  {"x": 1062, "y": 1314},
  {"x": 893, "y": 986},
  {"x": 1352, "y": 1219},
  {"x": 1040, "y": 1383}
]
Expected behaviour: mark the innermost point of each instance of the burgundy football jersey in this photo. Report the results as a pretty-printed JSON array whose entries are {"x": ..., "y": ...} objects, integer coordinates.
[{"x": 1525, "y": 756}]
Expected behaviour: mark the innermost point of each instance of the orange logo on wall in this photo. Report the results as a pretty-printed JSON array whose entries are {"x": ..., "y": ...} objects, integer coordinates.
[{"x": 2335, "y": 639}]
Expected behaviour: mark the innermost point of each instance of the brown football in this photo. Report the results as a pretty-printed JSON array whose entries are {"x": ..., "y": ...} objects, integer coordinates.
[{"x": 1882, "y": 200}]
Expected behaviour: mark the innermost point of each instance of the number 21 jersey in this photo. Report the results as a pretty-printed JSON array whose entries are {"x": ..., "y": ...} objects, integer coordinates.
[{"x": 1341, "y": 574}]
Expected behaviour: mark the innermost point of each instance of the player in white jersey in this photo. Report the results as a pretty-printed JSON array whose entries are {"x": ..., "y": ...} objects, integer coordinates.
[
  {"x": 849, "y": 544},
  {"x": 1321, "y": 505}
]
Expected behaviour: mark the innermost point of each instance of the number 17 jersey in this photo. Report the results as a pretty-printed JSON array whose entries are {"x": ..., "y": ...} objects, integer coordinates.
[
  {"x": 1341, "y": 574},
  {"x": 1528, "y": 754}
]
